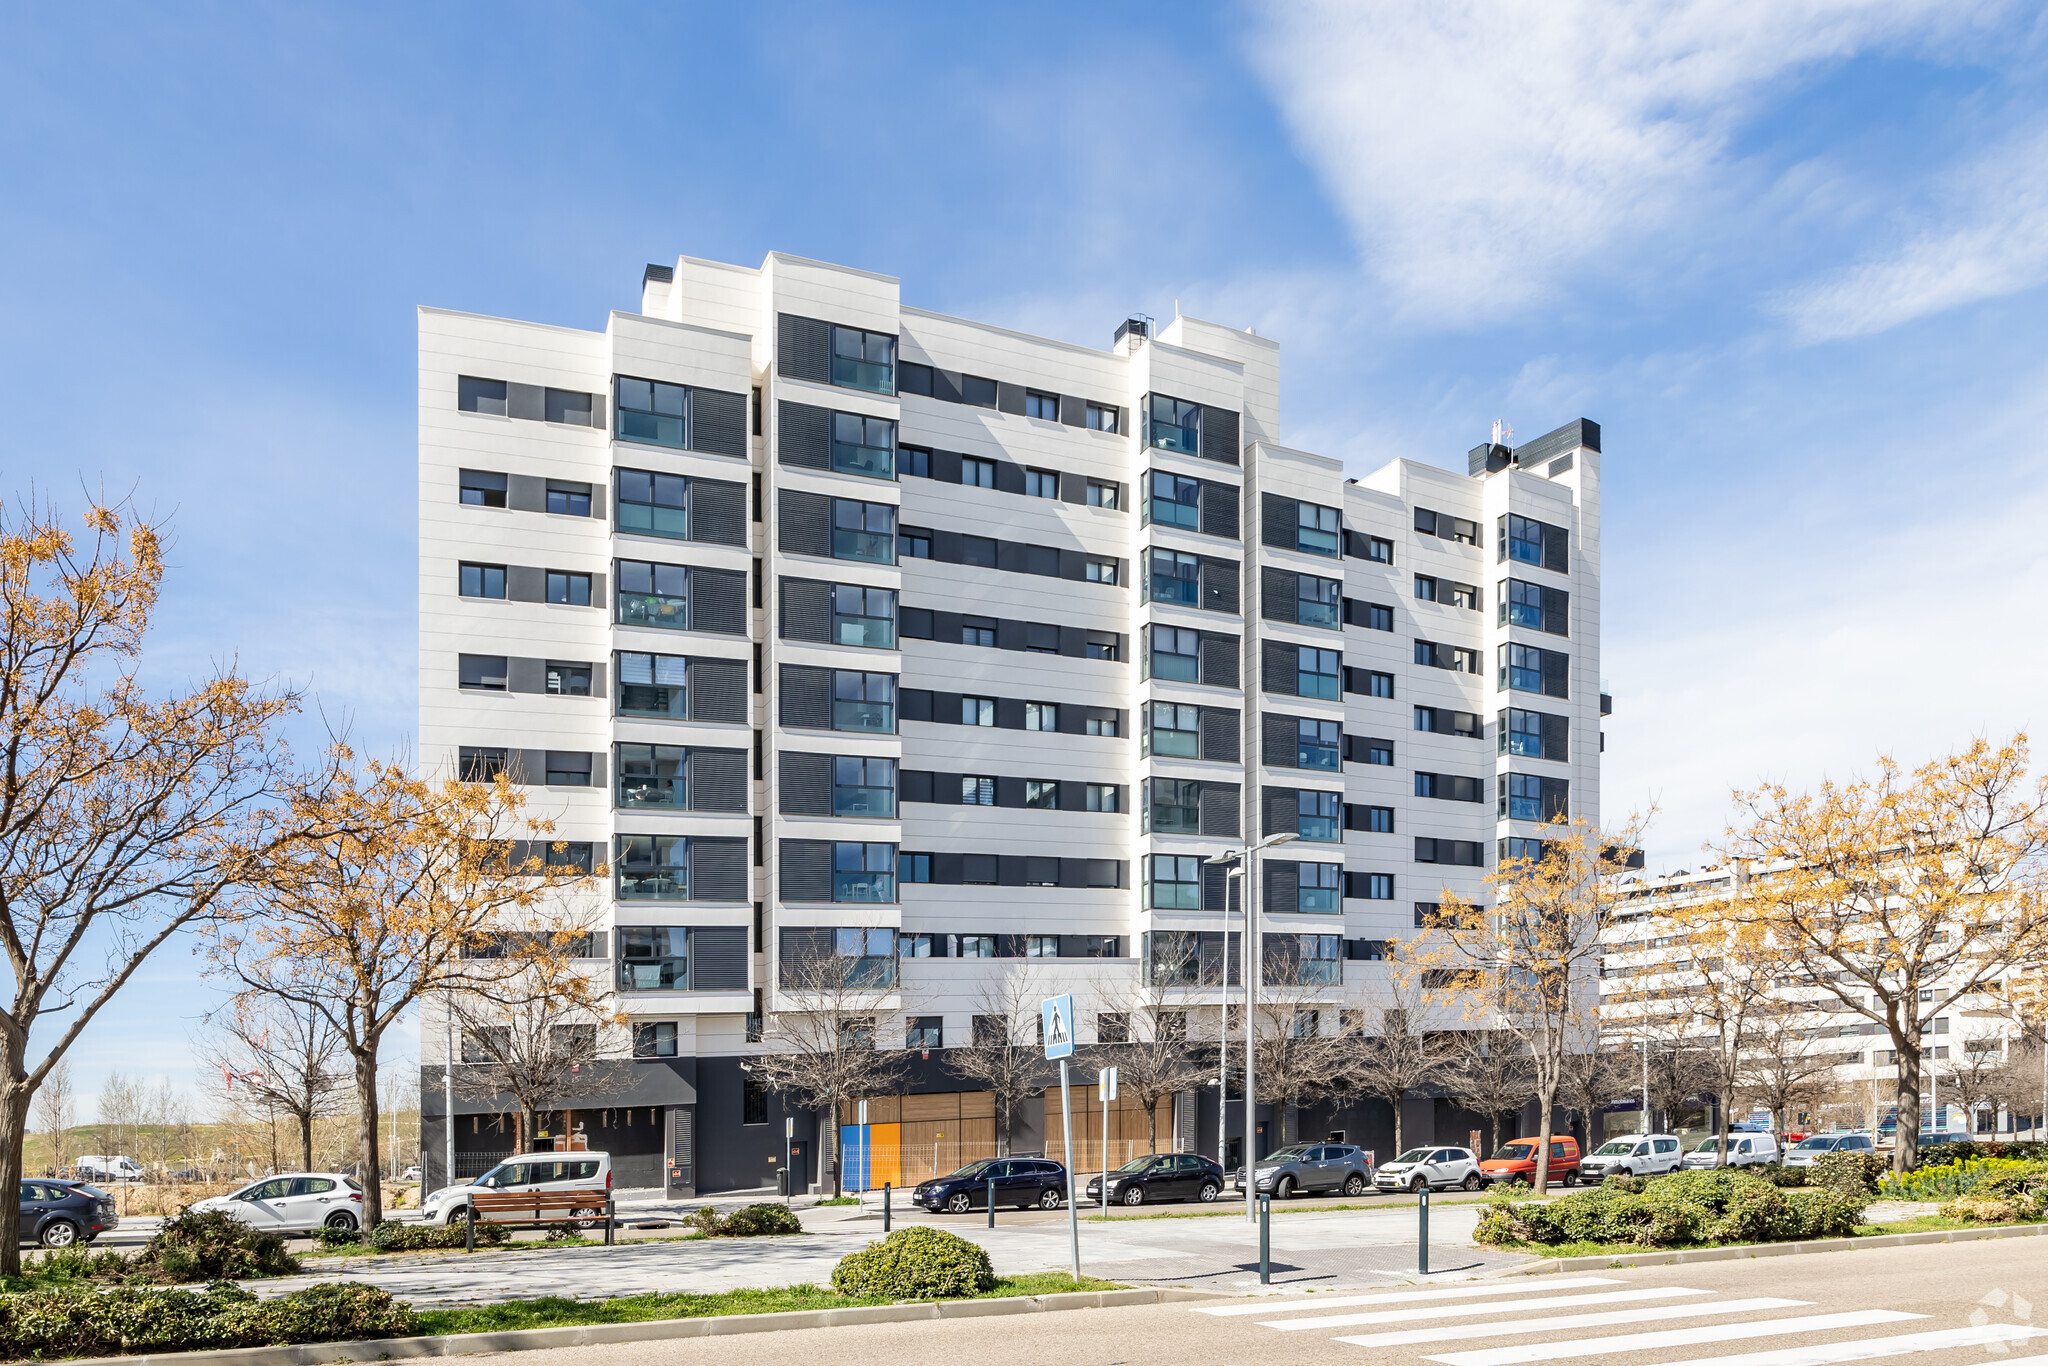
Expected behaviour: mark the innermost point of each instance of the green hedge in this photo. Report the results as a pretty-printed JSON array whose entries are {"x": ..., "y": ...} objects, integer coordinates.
[
  {"x": 1713, "y": 1206},
  {"x": 1940, "y": 1154},
  {"x": 87, "y": 1322},
  {"x": 916, "y": 1263},
  {"x": 753, "y": 1221}
]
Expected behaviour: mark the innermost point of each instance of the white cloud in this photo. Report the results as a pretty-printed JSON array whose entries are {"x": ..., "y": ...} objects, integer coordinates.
[
  {"x": 1994, "y": 242},
  {"x": 1480, "y": 151}
]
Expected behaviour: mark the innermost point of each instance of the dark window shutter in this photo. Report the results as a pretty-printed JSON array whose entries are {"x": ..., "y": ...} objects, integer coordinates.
[
  {"x": 1282, "y": 668},
  {"x": 806, "y": 697},
  {"x": 526, "y": 493},
  {"x": 718, "y": 780},
  {"x": 1557, "y": 552},
  {"x": 1219, "y": 585},
  {"x": 1282, "y": 811},
  {"x": 526, "y": 400},
  {"x": 1009, "y": 398},
  {"x": 806, "y": 610},
  {"x": 718, "y": 512},
  {"x": 914, "y": 704},
  {"x": 1010, "y": 713},
  {"x": 1219, "y": 808},
  {"x": 1283, "y": 885},
  {"x": 1073, "y": 487},
  {"x": 806, "y": 784},
  {"x": 1219, "y": 660},
  {"x": 803, "y": 436},
  {"x": 1073, "y": 795},
  {"x": 803, "y": 523},
  {"x": 718, "y": 958},
  {"x": 1219, "y": 435},
  {"x": 717, "y": 689},
  {"x": 1219, "y": 510},
  {"x": 946, "y": 465},
  {"x": 948, "y": 869},
  {"x": 806, "y": 870},
  {"x": 803, "y": 348},
  {"x": 718, "y": 422},
  {"x": 1557, "y": 799},
  {"x": 526, "y": 583},
  {"x": 1277, "y": 588},
  {"x": 1009, "y": 791},
  {"x": 1010, "y": 635},
  {"x": 1557, "y": 611},
  {"x": 1556, "y": 674},
  {"x": 1215, "y": 878},
  {"x": 915, "y": 785},
  {"x": 914, "y": 623},
  {"x": 1282, "y": 741},
  {"x": 1073, "y": 413},
  {"x": 718, "y": 870},
  {"x": 1277, "y": 520},
  {"x": 1557, "y": 737},
  {"x": 718, "y": 601},
  {"x": 1221, "y": 727}
]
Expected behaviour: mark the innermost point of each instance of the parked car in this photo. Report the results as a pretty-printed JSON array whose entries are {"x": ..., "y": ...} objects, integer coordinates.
[
  {"x": 1308, "y": 1167},
  {"x": 1517, "y": 1160},
  {"x": 1161, "y": 1176},
  {"x": 409, "y": 1174},
  {"x": 1804, "y": 1152},
  {"x": 62, "y": 1213},
  {"x": 1440, "y": 1168},
  {"x": 1744, "y": 1150},
  {"x": 297, "y": 1202},
  {"x": 524, "y": 1172},
  {"x": 1019, "y": 1181},
  {"x": 1643, "y": 1155},
  {"x": 108, "y": 1168}
]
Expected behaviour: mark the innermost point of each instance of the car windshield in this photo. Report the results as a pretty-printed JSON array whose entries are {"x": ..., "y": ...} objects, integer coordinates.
[
  {"x": 975, "y": 1168},
  {"x": 1816, "y": 1144},
  {"x": 1621, "y": 1147},
  {"x": 1286, "y": 1154},
  {"x": 1136, "y": 1164},
  {"x": 1713, "y": 1145},
  {"x": 1414, "y": 1155},
  {"x": 1513, "y": 1152}
]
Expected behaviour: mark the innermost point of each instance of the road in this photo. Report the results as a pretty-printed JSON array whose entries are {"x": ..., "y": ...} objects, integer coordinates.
[{"x": 1939, "y": 1305}]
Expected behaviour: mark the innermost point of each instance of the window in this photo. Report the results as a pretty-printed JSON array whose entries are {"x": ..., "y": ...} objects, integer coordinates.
[
  {"x": 1320, "y": 816},
  {"x": 654, "y": 595},
  {"x": 1102, "y": 418},
  {"x": 1445, "y": 721},
  {"x": 1173, "y": 806},
  {"x": 864, "y": 616},
  {"x": 1176, "y": 654},
  {"x": 653, "y": 867},
  {"x": 478, "y": 765},
  {"x": 483, "y": 581},
  {"x": 1176, "y": 426},
  {"x": 1318, "y": 602},
  {"x": 1524, "y": 668},
  {"x": 913, "y": 543},
  {"x": 1378, "y": 751},
  {"x": 1317, "y": 745},
  {"x": 653, "y": 504},
  {"x": 1102, "y": 797},
  {"x": 1041, "y": 716},
  {"x": 914, "y": 460},
  {"x": 651, "y": 412},
  {"x": 1321, "y": 887},
  {"x": 1456, "y": 658},
  {"x": 977, "y": 711},
  {"x": 1534, "y": 735},
  {"x": 481, "y": 673},
  {"x": 656, "y": 1040},
  {"x": 1464, "y": 852},
  {"x": 653, "y": 685},
  {"x": 474, "y": 395},
  {"x": 977, "y": 790},
  {"x": 1042, "y": 794},
  {"x": 1102, "y": 494},
  {"x": 979, "y": 551},
  {"x": 1041, "y": 639},
  {"x": 1542, "y": 609},
  {"x": 579, "y": 855},
  {"x": 753, "y": 1099},
  {"x": 1045, "y": 407},
  {"x": 978, "y": 631},
  {"x": 864, "y": 872},
  {"x": 1375, "y": 683},
  {"x": 1041, "y": 483},
  {"x": 1448, "y": 527},
  {"x": 913, "y": 867},
  {"x": 1102, "y": 571},
  {"x": 1173, "y": 577},
  {"x": 566, "y": 406},
  {"x": 1528, "y": 541},
  {"x": 568, "y": 768},
  {"x": 1450, "y": 787},
  {"x": 977, "y": 473},
  {"x": 1318, "y": 673},
  {"x": 864, "y": 445},
  {"x": 864, "y": 531},
  {"x": 924, "y": 1031},
  {"x": 864, "y": 787},
  {"x": 863, "y": 701},
  {"x": 1176, "y": 882},
  {"x": 566, "y": 589},
  {"x": 1101, "y": 721},
  {"x": 481, "y": 489},
  {"x": 1041, "y": 946},
  {"x": 1462, "y": 595},
  {"x": 1379, "y": 549},
  {"x": 1425, "y": 587},
  {"x": 1376, "y": 887},
  {"x": 1521, "y": 798},
  {"x": 1103, "y": 645},
  {"x": 1174, "y": 731},
  {"x": 978, "y": 392},
  {"x": 1175, "y": 501},
  {"x": 977, "y": 946},
  {"x": 1376, "y": 820},
  {"x": 568, "y": 500},
  {"x": 652, "y": 775},
  {"x": 1519, "y": 848},
  {"x": 1318, "y": 530},
  {"x": 864, "y": 360}
]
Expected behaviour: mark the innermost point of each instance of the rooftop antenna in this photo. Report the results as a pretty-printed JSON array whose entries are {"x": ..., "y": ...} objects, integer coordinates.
[{"x": 1502, "y": 432}]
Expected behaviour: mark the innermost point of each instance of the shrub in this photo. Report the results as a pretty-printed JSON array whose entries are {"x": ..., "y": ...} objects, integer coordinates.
[
  {"x": 1632, "y": 1185},
  {"x": 760, "y": 1220},
  {"x": 1851, "y": 1173},
  {"x": 210, "y": 1247},
  {"x": 86, "y": 1322},
  {"x": 1787, "y": 1178},
  {"x": 334, "y": 1235},
  {"x": 917, "y": 1263},
  {"x": 1723, "y": 1205},
  {"x": 392, "y": 1236}
]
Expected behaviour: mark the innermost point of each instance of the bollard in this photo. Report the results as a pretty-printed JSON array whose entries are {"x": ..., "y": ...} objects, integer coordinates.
[
  {"x": 609, "y": 1217},
  {"x": 469, "y": 1229},
  {"x": 885, "y": 1207},
  {"x": 1265, "y": 1240},
  {"x": 1422, "y": 1239},
  {"x": 991, "y": 1202}
]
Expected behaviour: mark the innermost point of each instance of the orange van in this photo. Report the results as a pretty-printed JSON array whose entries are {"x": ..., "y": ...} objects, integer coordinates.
[{"x": 1518, "y": 1159}]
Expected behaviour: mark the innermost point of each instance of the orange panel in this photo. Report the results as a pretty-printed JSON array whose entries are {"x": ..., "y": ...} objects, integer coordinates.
[{"x": 885, "y": 1154}]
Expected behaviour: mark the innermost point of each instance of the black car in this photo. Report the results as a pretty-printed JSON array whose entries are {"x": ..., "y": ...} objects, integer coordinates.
[
  {"x": 1019, "y": 1181},
  {"x": 1161, "y": 1176},
  {"x": 64, "y": 1213}
]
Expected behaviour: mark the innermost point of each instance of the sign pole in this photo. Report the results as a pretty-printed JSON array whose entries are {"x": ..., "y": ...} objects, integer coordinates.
[
  {"x": 1105, "y": 1089},
  {"x": 1057, "y": 1023}
]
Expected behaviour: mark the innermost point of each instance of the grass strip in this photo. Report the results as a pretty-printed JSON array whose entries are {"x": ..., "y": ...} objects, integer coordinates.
[{"x": 559, "y": 1312}]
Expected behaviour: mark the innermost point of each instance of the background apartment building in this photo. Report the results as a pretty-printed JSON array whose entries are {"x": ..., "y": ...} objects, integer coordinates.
[{"x": 836, "y": 625}]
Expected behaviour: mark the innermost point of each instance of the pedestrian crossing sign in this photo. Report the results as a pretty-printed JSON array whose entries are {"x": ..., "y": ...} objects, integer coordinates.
[{"x": 1059, "y": 1027}]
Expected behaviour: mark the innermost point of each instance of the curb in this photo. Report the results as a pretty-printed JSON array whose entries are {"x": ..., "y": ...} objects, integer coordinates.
[
  {"x": 1682, "y": 1256},
  {"x": 659, "y": 1330}
]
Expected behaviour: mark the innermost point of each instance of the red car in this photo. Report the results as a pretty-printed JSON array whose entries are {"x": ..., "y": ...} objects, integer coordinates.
[{"x": 1518, "y": 1160}]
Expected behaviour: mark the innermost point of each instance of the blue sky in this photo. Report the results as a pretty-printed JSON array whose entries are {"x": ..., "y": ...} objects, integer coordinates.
[{"x": 1788, "y": 254}]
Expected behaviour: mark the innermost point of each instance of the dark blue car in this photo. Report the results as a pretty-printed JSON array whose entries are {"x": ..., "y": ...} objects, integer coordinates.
[
  {"x": 1019, "y": 1181},
  {"x": 64, "y": 1213}
]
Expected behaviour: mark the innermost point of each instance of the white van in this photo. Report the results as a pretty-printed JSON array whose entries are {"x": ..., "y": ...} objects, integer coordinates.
[
  {"x": 1643, "y": 1155},
  {"x": 108, "y": 1168},
  {"x": 1744, "y": 1150},
  {"x": 524, "y": 1172}
]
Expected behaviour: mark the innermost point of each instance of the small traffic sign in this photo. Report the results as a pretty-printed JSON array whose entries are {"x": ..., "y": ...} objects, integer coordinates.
[
  {"x": 1059, "y": 1027},
  {"x": 1108, "y": 1080},
  {"x": 789, "y": 1128}
]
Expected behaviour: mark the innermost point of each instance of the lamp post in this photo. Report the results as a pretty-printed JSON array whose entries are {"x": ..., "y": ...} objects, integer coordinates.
[
  {"x": 1223, "y": 1030},
  {"x": 1254, "y": 965}
]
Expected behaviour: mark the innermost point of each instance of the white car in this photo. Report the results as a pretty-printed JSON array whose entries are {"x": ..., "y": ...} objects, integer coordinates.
[
  {"x": 298, "y": 1202},
  {"x": 1438, "y": 1168},
  {"x": 1744, "y": 1150},
  {"x": 1643, "y": 1155},
  {"x": 409, "y": 1174},
  {"x": 1806, "y": 1150},
  {"x": 108, "y": 1168},
  {"x": 526, "y": 1171}
]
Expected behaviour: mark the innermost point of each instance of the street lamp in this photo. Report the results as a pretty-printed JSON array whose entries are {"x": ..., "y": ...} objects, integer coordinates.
[{"x": 1254, "y": 963}]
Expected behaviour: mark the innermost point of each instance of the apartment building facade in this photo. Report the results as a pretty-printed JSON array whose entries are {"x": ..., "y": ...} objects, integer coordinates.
[{"x": 836, "y": 626}]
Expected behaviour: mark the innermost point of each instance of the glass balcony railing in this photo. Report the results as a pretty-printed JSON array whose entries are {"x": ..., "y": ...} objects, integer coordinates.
[
  {"x": 1176, "y": 896},
  {"x": 1320, "y": 757},
  {"x": 876, "y": 547},
  {"x": 649, "y": 519},
  {"x": 869, "y": 887},
  {"x": 1176, "y": 744},
  {"x": 1168, "y": 436},
  {"x": 876, "y": 802},
  {"x": 1306, "y": 972},
  {"x": 875, "y": 462},
  {"x": 871, "y": 972},
  {"x": 1320, "y": 828},
  {"x": 1176, "y": 668},
  {"x": 876, "y": 633},
  {"x": 876, "y": 378},
  {"x": 1166, "y": 512},
  {"x": 1319, "y": 900},
  {"x": 1326, "y": 686},
  {"x": 654, "y": 974},
  {"x": 648, "y": 699},
  {"x": 654, "y": 609},
  {"x": 1322, "y": 614},
  {"x": 652, "y": 428},
  {"x": 643, "y": 790},
  {"x": 876, "y": 718},
  {"x": 653, "y": 884}
]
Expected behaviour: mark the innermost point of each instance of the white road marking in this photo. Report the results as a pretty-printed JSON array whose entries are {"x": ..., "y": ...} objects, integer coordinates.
[
  {"x": 1445, "y": 1311},
  {"x": 1460, "y": 1331},
  {"x": 1869, "y": 1349},
  {"x": 1672, "y": 1337},
  {"x": 1456, "y": 1292}
]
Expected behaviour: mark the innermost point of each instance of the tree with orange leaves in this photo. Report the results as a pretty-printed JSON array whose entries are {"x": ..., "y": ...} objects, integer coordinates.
[
  {"x": 1903, "y": 893},
  {"x": 400, "y": 895},
  {"x": 126, "y": 814}
]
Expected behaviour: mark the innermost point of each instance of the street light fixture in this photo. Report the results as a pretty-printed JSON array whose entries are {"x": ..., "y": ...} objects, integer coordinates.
[{"x": 1254, "y": 963}]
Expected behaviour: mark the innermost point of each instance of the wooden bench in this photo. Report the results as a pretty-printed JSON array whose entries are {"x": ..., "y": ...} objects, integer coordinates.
[{"x": 532, "y": 1208}]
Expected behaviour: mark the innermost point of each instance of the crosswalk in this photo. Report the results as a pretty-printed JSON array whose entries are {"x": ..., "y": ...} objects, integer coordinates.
[{"x": 1522, "y": 1320}]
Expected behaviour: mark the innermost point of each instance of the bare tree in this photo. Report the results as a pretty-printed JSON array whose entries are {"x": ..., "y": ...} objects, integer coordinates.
[
  {"x": 1296, "y": 1062},
  {"x": 1490, "y": 1073},
  {"x": 282, "y": 1055},
  {"x": 1004, "y": 1053},
  {"x": 1153, "y": 1062},
  {"x": 119, "y": 1109},
  {"x": 55, "y": 1112},
  {"x": 1400, "y": 1045},
  {"x": 1976, "y": 1077},
  {"x": 1591, "y": 1079},
  {"x": 1783, "y": 1067}
]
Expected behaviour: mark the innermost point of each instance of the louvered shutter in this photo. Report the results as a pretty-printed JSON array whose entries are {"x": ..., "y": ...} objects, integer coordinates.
[
  {"x": 1282, "y": 741},
  {"x": 526, "y": 583},
  {"x": 1557, "y": 737},
  {"x": 1221, "y": 728},
  {"x": 803, "y": 348},
  {"x": 718, "y": 958},
  {"x": 1282, "y": 669},
  {"x": 1557, "y": 552},
  {"x": 806, "y": 870},
  {"x": 1278, "y": 519},
  {"x": 718, "y": 869},
  {"x": 806, "y": 786},
  {"x": 718, "y": 422},
  {"x": 1556, "y": 674},
  {"x": 1557, "y": 611},
  {"x": 1282, "y": 811},
  {"x": 1557, "y": 799},
  {"x": 803, "y": 523},
  {"x": 806, "y": 697},
  {"x": 1277, "y": 590},
  {"x": 803, "y": 436},
  {"x": 718, "y": 601},
  {"x": 717, "y": 689},
  {"x": 718, "y": 512},
  {"x": 1219, "y": 660},
  {"x": 1219, "y": 510},
  {"x": 718, "y": 779},
  {"x": 806, "y": 610},
  {"x": 1215, "y": 877},
  {"x": 1219, "y": 435},
  {"x": 1219, "y": 808},
  {"x": 1283, "y": 886},
  {"x": 915, "y": 704},
  {"x": 528, "y": 401},
  {"x": 1219, "y": 585}
]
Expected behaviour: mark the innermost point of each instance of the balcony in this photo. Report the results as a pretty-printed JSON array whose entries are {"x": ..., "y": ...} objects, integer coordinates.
[{"x": 654, "y": 609}]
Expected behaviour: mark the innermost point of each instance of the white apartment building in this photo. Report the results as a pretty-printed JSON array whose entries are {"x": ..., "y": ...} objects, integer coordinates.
[{"x": 835, "y": 624}]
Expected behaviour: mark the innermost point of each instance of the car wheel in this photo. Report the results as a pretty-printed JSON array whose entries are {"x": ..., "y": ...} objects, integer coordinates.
[
  {"x": 587, "y": 1218},
  {"x": 1354, "y": 1184},
  {"x": 341, "y": 1219},
  {"x": 1621, "y": 1171},
  {"x": 1134, "y": 1194},
  {"x": 1474, "y": 1181},
  {"x": 959, "y": 1202},
  {"x": 59, "y": 1233},
  {"x": 1049, "y": 1198},
  {"x": 1283, "y": 1189},
  {"x": 1210, "y": 1190},
  {"x": 458, "y": 1214},
  {"x": 1570, "y": 1177},
  {"x": 1419, "y": 1184}
]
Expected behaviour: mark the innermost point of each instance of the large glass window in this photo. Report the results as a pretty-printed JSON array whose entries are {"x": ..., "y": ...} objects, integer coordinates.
[
  {"x": 1319, "y": 745},
  {"x": 1318, "y": 602},
  {"x": 654, "y": 595},
  {"x": 863, "y": 701},
  {"x": 864, "y": 787},
  {"x": 1524, "y": 668},
  {"x": 1521, "y": 797},
  {"x": 1176, "y": 882},
  {"x": 874, "y": 952},
  {"x": 654, "y": 958},
  {"x": 483, "y": 581},
  {"x": 1521, "y": 539},
  {"x": 864, "y": 360},
  {"x": 653, "y": 685},
  {"x": 1319, "y": 673},
  {"x": 1173, "y": 730},
  {"x": 652, "y": 775},
  {"x": 1521, "y": 733},
  {"x": 1175, "y": 501},
  {"x": 864, "y": 616},
  {"x": 652, "y": 412},
  {"x": 653, "y": 867},
  {"x": 1173, "y": 577},
  {"x": 1521, "y": 604},
  {"x": 1322, "y": 887},
  {"x": 567, "y": 589},
  {"x": 1176, "y": 426},
  {"x": 863, "y": 531},
  {"x": 1176, "y": 654},
  {"x": 1173, "y": 806},
  {"x": 864, "y": 445},
  {"x": 1318, "y": 530},
  {"x": 864, "y": 872},
  {"x": 1321, "y": 816},
  {"x": 1041, "y": 716},
  {"x": 482, "y": 489},
  {"x": 654, "y": 504}
]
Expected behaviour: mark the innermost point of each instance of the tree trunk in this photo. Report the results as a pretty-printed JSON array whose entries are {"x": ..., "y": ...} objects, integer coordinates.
[
  {"x": 1547, "y": 1098},
  {"x": 1399, "y": 1096},
  {"x": 1003, "y": 1109},
  {"x": 1151, "y": 1135},
  {"x": 14, "y": 1104},
  {"x": 1721, "y": 1130},
  {"x": 830, "y": 1146},
  {"x": 306, "y": 1140},
  {"x": 1492, "y": 1133},
  {"x": 370, "y": 1168},
  {"x": 1906, "y": 1143}
]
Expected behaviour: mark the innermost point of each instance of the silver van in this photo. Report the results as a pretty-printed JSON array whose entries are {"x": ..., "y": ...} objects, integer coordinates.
[
  {"x": 1744, "y": 1150},
  {"x": 1643, "y": 1155},
  {"x": 1806, "y": 1150}
]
